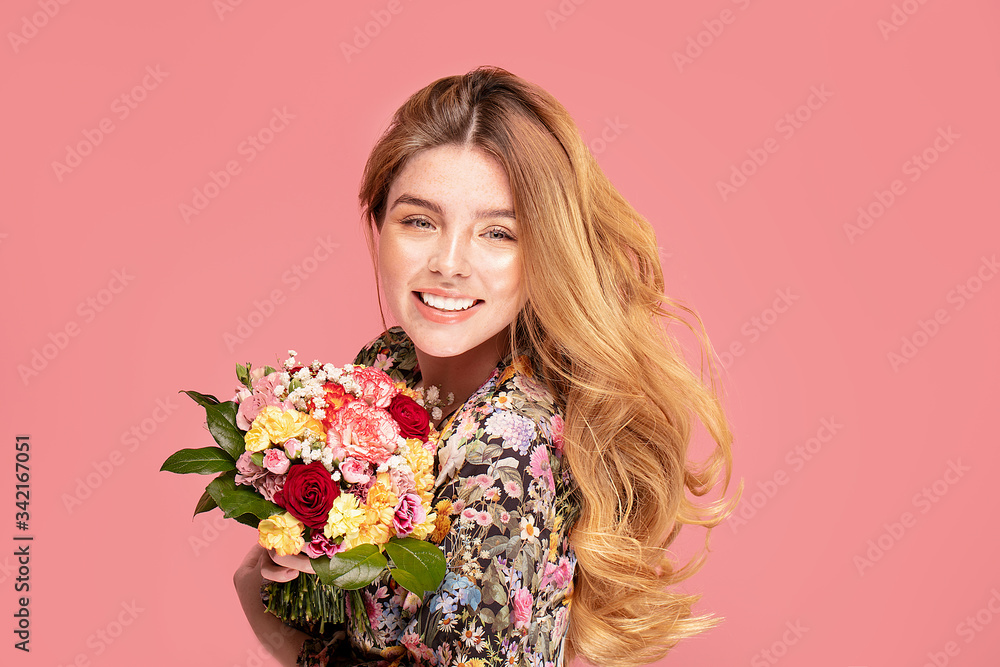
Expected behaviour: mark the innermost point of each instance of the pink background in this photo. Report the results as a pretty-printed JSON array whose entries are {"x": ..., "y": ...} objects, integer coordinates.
[{"x": 856, "y": 534}]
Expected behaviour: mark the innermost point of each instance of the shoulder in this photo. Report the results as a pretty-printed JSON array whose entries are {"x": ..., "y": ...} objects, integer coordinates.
[{"x": 393, "y": 352}]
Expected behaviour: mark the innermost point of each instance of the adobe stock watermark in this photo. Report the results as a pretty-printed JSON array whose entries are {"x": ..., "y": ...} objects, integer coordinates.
[
  {"x": 923, "y": 502},
  {"x": 779, "y": 648},
  {"x": 562, "y": 12},
  {"x": 59, "y": 340},
  {"x": 756, "y": 326},
  {"x": 273, "y": 641},
  {"x": 295, "y": 276},
  {"x": 796, "y": 458},
  {"x": 101, "y": 470},
  {"x": 101, "y": 639},
  {"x": 958, "y": 296},
  {"x": 609, "y": 133},
  {"x": 898, "y": 17},
  {"x": 786, "y": 126},
  {"x": 122, "y": 107},
  {"x": 210, "y": 531},
  {"x": 249, "y": 149},
  {"x": 697, "y": 43},
  {"x": 363, "y": 35},
  {"x": 31, "y": 24},
  {"x": 968, "y": 629},
  {"x": 223, "y": 7},
  {"x": 914, "y": 167}
]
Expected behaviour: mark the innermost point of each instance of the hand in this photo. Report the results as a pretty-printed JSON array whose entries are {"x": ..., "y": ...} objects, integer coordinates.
[{"x": 285, "y": 568}]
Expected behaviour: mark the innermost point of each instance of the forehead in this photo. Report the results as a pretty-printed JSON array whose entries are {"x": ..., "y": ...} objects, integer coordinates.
[{"x": 451, "y": 172}]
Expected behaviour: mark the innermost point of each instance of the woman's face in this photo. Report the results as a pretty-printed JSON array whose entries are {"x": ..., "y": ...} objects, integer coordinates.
[{"x": 449, "y": 262}]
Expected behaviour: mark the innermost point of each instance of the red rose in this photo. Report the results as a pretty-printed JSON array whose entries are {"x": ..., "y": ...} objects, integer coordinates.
[
  {"x": 308, "y": 493},
  {"x": 413, "y": 420}
]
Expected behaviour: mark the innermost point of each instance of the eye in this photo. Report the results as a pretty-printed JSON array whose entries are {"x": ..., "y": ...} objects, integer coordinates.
[
  {"x": 498, "y": 234},
  {"x": 417, "y": 222}
]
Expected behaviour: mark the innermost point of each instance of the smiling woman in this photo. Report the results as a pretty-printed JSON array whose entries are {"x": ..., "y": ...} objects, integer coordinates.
[{"x": 524, "y": 285}]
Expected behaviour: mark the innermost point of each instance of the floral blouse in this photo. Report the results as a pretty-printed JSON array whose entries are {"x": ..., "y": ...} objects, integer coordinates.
[{"x": 505, "y": 597}]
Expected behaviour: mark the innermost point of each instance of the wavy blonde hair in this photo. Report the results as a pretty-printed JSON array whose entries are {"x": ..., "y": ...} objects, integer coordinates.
[{"x": 594, "y": 318}]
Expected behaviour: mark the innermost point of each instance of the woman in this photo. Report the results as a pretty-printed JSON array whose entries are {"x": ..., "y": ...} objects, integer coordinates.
[{"x": 526, "y": 287}]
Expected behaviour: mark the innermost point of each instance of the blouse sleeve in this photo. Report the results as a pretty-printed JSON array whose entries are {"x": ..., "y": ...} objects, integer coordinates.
[{"x": 506, "y": 592}]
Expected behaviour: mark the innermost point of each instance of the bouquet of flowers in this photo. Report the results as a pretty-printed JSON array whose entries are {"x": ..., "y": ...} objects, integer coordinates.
[{"x": 334, "y": 463}]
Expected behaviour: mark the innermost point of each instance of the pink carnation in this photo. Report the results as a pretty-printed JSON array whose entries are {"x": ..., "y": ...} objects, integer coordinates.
[
  {"x": 377, "y": 388},
  {"x": 321, "y": 545},
  {"x": 246, "y": 470},
  {"x": 276, "y": 461},
  {"x": 409, "y": 511},
  {"x": 249, "y": 408},
  {"x": 367, "y": 432},
  {"x": 402, "y": 482},
  {"x": 355, "y": 471}
]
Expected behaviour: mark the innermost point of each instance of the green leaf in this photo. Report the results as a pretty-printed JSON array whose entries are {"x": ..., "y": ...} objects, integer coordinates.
[
  {"x": 236, "y": 501},
  {"x": 204, "y": 400},
  {"x": 268, "y": 370},
  {"x": 420, "y": 566},
  {"x": 258, "y": 458},
  {"x": 205, "y": 503},
  {"x": 222, "y": 426},
  {"x": 204, "y": 461},
  {"x": 351, "y": 569}
]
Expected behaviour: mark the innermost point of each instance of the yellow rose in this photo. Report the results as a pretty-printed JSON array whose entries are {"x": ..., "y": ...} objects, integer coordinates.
[
  {"x": 281, "y": 532},
  {"x": 256, "y": 438}
]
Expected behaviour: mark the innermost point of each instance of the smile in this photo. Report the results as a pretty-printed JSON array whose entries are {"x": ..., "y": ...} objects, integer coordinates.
[{"x": 446, "y": 303}]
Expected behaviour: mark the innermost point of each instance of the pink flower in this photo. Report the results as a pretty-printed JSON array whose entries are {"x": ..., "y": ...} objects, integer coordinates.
[
  {"x": 522, "y": 608},
  {"x": 484, "y": 518},
  {"x": 377, "y": 388},
  {"x": 355, "y": 471},
  {"x": 246, "y": 470},
  {"x": 557, "y": 573},
  {"x": 264, "y": 481},
  {"x": 469, "y": 514},
  {"x": 276, "y": 461},
  {"x": 321, "y": 545},
  {"x": 409, "y": 511},
  {"x": 367, "y": 432},
  {"x": 292, "y": 447},
  {"x": 402, "y": 482},
  {"x": 249, "y": 408},
  {"x": 269, "y": 484},
  {"x": 556, "y": 423},
  {"x": 264, "y": 384}
]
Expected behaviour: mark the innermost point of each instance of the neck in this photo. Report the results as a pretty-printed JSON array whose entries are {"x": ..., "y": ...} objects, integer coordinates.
[{"x": 463, "y": 374}]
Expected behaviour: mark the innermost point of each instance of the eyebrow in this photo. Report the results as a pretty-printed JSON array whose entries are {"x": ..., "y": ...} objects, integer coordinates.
[{"x": 417, "y": 201}]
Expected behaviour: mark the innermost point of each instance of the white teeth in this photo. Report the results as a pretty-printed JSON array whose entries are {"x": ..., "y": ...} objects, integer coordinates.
[{"x": 445, "y": 303}]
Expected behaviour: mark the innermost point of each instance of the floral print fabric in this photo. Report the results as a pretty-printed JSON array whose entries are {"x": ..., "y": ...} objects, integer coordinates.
[{"x": 507, "y": 498}]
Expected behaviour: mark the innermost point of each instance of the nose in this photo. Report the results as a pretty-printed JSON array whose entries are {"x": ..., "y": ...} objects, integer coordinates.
[{"x": 450, "y": 256}]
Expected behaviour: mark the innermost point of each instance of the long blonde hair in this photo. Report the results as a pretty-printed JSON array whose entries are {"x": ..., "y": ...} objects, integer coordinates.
[{"x": 595, "y": 321}]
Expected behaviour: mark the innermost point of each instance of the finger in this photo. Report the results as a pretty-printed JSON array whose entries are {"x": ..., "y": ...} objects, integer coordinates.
[{"x": 277, "y": 573}]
